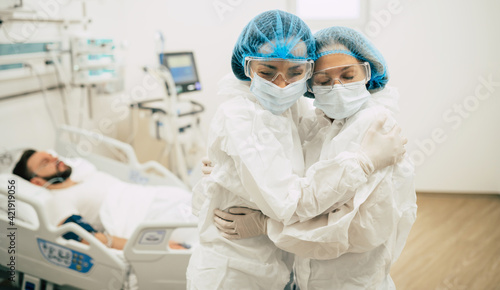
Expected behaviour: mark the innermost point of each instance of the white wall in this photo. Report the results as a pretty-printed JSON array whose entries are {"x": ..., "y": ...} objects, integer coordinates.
[{"x": 437, "y": 51}]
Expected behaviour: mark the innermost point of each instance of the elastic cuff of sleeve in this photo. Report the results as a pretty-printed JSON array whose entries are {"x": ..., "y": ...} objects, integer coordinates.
[{"x": 365, "y": 163}]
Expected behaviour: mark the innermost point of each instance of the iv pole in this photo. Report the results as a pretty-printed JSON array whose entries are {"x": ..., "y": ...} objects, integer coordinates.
[{"x": 178, "y": 163}]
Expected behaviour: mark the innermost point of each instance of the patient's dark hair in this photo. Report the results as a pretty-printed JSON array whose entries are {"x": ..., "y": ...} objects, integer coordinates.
[{"x": 21, "y": 168}]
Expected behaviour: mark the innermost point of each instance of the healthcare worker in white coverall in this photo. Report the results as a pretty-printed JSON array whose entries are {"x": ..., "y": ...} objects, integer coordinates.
[
  {"x": 255, "y": 146},
  {"x": 354, "y": 245}
]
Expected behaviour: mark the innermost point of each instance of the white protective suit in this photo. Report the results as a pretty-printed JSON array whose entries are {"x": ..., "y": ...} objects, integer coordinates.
[
  {"x": 258, "y": 164},
  {"x": 354, "y": 246}
]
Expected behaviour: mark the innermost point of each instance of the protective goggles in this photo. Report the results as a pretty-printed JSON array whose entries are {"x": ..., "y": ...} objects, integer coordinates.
[
  {"x": 323, "y": 81},
  {"x": 291, "y": 70}
]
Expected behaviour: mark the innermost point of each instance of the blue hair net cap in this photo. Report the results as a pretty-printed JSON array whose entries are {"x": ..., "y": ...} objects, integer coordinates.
[
  {"x": 339, "y": 39},
  {"x": 273, "y": 34}
]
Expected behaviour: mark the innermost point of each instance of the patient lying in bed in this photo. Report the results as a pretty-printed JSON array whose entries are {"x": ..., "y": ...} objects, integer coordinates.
[{"x": 109, "y": 208}]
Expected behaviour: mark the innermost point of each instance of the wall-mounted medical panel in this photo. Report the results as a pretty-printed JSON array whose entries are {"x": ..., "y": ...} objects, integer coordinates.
[{"x": 28, "y": 67}]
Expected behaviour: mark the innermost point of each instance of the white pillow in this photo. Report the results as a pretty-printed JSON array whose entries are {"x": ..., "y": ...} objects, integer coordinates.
[
  {"x": 9, "y": 159},
  {"x": 23, "y": 188}
]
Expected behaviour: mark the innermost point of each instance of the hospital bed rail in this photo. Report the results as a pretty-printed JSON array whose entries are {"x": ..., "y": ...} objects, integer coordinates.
[
  {"x": 156, "y": 265},
  {"x": 41, "y": 251},
  {"x": 77, "y": 147}
]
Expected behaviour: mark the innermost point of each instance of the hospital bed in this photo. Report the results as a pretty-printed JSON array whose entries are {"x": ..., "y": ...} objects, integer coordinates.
[{"x": 46, "y": 260}]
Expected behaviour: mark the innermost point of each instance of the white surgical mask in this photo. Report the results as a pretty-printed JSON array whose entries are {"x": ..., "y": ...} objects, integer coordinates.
[
  {"x": 342, "y": 101},
  {"x": 276, "y": 99}
]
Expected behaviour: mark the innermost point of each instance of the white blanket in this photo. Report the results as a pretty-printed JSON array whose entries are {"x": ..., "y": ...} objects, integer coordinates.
[{"x": 128, "y": 205}]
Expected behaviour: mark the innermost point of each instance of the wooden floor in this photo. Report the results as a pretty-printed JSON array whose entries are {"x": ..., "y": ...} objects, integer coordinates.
[{"x": 454, "y": 244}]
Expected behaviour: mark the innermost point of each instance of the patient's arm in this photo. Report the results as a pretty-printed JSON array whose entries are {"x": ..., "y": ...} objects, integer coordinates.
[{"x": 110, "y": 241}]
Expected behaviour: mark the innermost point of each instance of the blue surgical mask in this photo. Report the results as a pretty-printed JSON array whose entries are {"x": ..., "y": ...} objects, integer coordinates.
[
  {"x": 276, "y": 99},
  {"x": 342, "y": 101}
]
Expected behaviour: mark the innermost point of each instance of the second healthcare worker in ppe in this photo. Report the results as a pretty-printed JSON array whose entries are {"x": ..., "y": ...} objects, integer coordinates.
[
  {"x": 255, "y": 146},
  {"x": 354, "y": 245}
]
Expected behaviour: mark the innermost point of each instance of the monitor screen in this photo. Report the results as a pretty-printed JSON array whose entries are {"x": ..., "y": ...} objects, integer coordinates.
[{"x": 183, "y": 70}]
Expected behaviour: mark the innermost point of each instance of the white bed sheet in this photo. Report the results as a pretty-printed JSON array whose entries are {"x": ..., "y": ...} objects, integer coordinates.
[{"x": 128, "y": 205}]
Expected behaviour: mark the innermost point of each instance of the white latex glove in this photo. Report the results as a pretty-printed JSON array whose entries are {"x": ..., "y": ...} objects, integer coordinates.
[
  {"x": 240, "y": 223},
  {"x": 379, "y": 149},
  {"x": 206, "y": 166}
]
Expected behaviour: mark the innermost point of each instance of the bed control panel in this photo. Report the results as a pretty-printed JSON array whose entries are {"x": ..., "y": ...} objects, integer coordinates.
[
  {"x": 152, "y": 237},
  {"x": 65, "y": 257}
]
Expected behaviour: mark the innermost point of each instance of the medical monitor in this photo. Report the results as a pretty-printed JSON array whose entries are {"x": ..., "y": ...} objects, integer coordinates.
[{"x": 183, "y": 69}]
